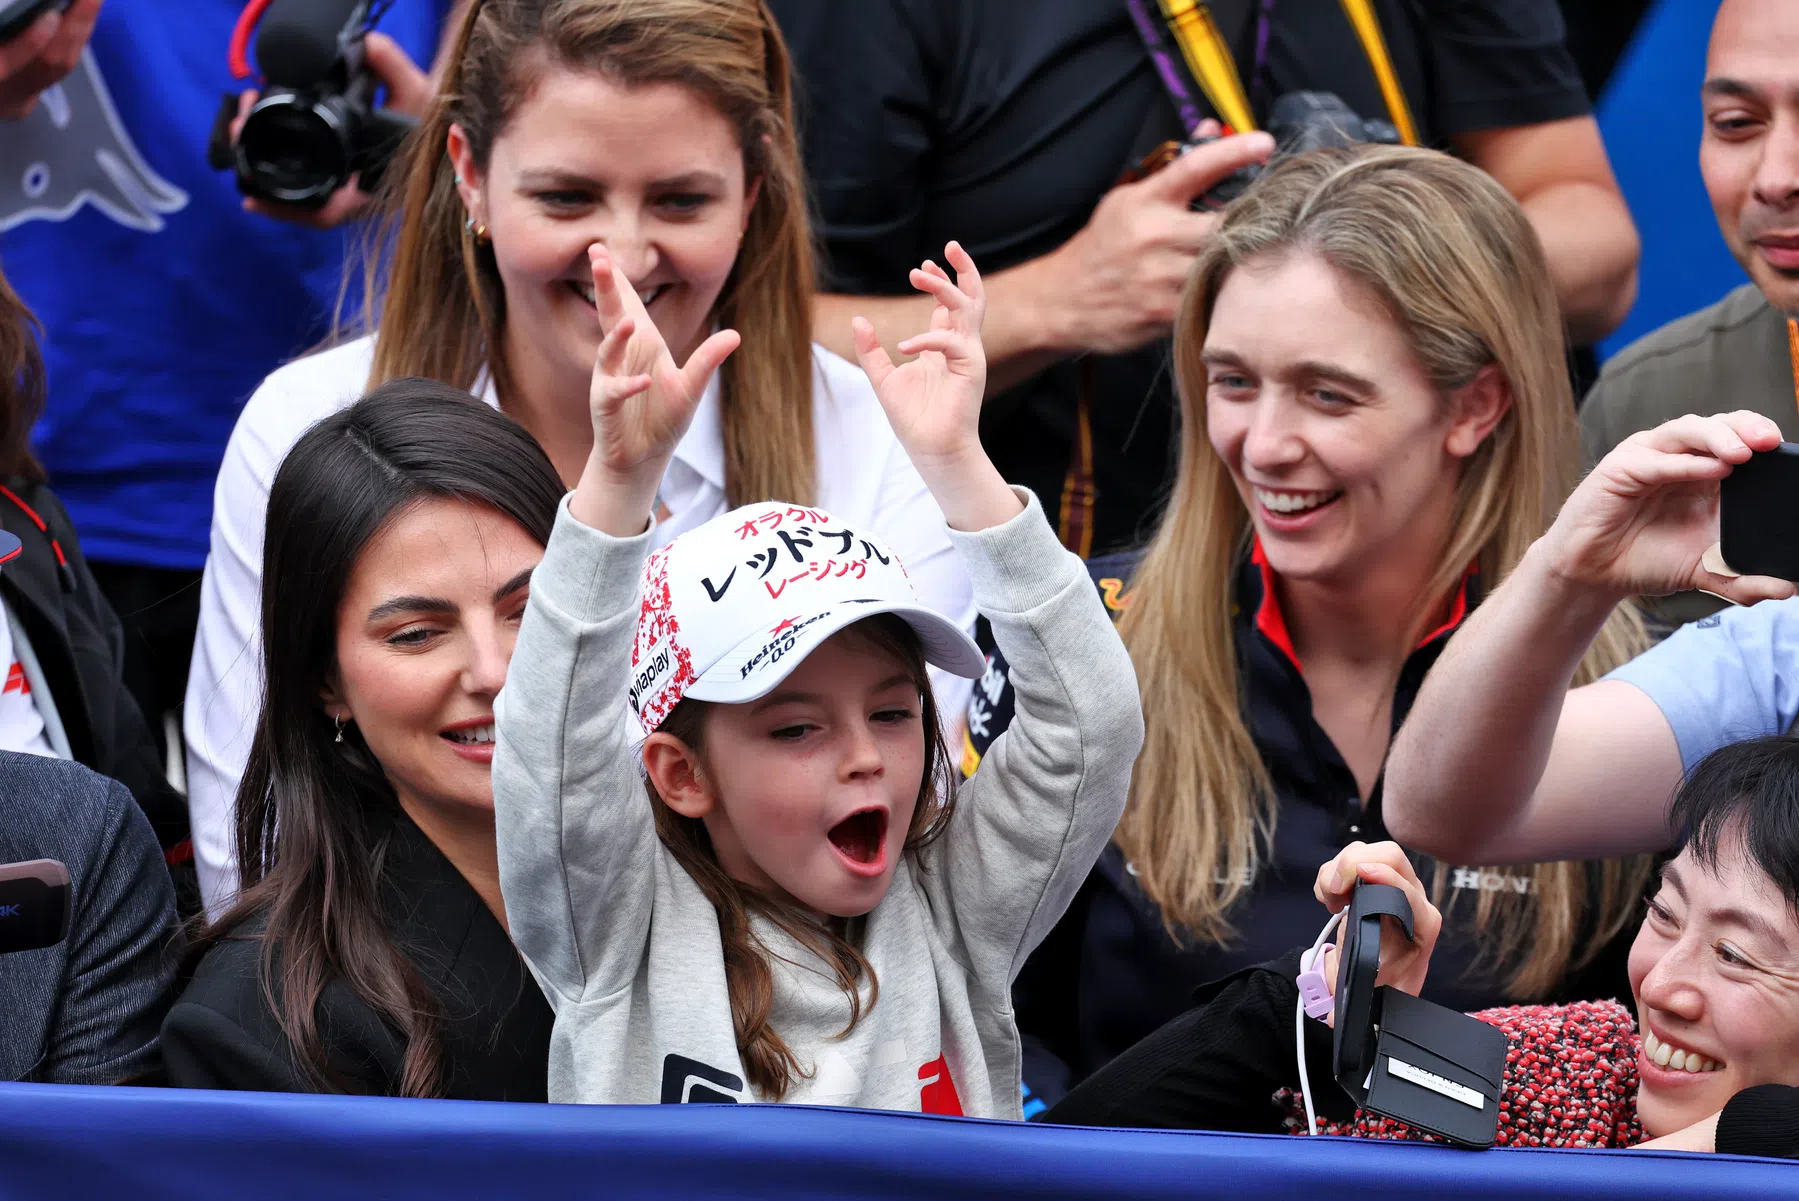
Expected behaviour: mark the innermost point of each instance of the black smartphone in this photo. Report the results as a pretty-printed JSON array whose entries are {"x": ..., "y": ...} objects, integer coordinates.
[
  {"x": 1358, "y": 965},
  {"x": 1758, "y": 514},
  {"x": 17, "y": 15}
]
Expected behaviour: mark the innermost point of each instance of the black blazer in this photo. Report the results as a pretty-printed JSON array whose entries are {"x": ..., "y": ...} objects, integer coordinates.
[{"x": 496, "y": 1038}]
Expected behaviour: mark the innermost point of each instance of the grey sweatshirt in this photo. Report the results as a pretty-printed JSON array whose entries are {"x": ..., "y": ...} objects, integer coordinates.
[{"x": 627, "y": 948}]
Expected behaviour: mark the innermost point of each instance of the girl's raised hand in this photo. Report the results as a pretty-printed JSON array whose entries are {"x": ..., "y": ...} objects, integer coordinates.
[
  {"x": 934, "y": 401},
  {"x": 640, "y": 401}
]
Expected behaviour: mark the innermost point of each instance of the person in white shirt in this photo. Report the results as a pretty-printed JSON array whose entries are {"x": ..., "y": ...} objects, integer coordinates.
[{"x": 664, "y": 131}]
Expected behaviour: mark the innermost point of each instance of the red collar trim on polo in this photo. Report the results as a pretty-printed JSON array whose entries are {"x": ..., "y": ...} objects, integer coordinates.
[
  {"x": 1272, "y": 624},
  {"x": 1269, "y": 620}
]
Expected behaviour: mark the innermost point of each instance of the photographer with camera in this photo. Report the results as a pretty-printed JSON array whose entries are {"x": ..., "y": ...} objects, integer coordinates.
[
  {"x": 1006, "y": 124},
  {"x": 163, "y": 301}
]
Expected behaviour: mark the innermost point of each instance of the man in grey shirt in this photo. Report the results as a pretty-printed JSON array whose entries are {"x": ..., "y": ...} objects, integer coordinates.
[{"x": 1734, "y": 354}]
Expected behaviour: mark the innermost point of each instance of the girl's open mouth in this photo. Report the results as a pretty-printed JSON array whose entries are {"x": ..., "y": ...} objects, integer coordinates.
[{"x": 861, "y": 841}]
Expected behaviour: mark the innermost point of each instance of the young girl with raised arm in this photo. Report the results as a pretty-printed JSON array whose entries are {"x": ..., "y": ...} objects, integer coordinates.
[{"x": 803, "y": 908}]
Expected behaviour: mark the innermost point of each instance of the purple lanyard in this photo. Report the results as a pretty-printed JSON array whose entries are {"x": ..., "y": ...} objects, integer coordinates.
[{"x": 1152, "y": 30}]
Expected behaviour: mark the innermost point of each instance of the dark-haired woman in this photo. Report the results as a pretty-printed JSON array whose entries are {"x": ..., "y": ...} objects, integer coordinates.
[
  {"x": 61, "y": 649},
  {"x": 368, "y": 950}
]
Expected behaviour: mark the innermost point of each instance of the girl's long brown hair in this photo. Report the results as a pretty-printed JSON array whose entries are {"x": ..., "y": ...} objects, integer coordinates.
[
  {"x": 767, "y": 1059},
  {"x": 1455, "y": 262},
  {"x": 443, "y": 310}
]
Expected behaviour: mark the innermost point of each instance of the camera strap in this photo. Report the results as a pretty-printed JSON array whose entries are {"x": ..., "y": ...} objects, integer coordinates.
[{"x": 1205, "y": 58}]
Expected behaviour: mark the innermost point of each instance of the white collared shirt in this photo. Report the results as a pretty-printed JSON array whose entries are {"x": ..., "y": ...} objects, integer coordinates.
[{"x": 862, "y": 475}]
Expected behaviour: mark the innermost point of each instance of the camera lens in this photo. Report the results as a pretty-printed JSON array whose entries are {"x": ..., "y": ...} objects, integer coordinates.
[{"x": 293, "y": 151}]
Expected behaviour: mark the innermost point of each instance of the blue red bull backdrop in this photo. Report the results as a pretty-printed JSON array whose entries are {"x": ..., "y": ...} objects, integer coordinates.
[{"x": 61, "y": 1142}]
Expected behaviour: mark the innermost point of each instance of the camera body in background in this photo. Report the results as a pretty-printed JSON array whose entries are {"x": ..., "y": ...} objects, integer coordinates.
[
  {"x": 34, "y": 905},
  {"x": 315, "y": 125},
  {"x": 1298, "y": 122}
]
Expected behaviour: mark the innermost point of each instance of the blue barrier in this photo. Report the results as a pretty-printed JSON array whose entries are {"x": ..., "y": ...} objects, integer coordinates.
[
  {"x": 1651, "y": 121},
  {"x": 62, "y": 1142}
]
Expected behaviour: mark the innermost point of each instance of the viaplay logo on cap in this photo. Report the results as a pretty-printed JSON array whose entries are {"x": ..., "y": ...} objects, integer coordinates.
[{"x": 733, "y": 606}]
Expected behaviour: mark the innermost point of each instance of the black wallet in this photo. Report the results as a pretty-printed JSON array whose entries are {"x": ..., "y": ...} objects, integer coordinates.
[{"x": 1405, "y": 1058}]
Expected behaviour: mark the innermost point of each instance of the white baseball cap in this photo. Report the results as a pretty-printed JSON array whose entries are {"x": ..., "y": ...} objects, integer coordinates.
[{"x": 730, "y": 608}]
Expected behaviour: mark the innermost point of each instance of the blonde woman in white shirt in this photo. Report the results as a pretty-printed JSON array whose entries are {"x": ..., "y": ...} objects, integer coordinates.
[{"x": 661, "y": 129}]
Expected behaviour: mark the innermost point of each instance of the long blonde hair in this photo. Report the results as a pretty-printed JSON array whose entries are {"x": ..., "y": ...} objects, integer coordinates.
[
  {"x": 1457, "y": 265},
  {"x": 435, "y": 293}
]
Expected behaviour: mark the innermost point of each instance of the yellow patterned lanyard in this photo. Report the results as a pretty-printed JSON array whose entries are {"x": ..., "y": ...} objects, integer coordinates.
[{"x": 1215, "y": 70}]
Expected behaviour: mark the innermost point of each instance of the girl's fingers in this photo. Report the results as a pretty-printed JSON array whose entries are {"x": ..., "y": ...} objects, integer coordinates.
[
  {"x": 940, "y": 286},
  {"x": 933, "y": 269},
  {"x": 614, "y": 345},
  {"x": 869, "y": 352},
  {"x": 606, "y": 288},
  {"x": 950, "y": 343},
  {"x": 614, "y": 390},
  {"x": 710, "y": 356},
  {"x": 968, "y": 277}
]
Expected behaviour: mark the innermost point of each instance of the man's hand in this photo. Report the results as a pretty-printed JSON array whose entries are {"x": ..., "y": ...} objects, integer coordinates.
[
  {"x": 42, "y": 56},
  {"x": 409, "y": 92},
  {"x": 1641, "y": 522},
  {"x": 1117, "y": 283}
]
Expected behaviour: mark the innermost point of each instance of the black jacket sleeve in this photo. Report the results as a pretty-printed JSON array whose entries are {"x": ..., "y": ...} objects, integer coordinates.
[
  {"x": 122, "y": 746},
  {"x": 1217, "y": 1066},
  {"x": 1763, "y": 1120}
]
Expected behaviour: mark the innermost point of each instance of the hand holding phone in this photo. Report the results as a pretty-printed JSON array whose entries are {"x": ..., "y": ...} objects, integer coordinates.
[
  {"x": 1758, "y": 515},
  {"x": 1404, "y": 954}
]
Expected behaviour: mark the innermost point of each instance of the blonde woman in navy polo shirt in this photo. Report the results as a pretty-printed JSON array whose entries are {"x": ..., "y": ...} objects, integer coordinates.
[{"x": 1376, "y": 423}]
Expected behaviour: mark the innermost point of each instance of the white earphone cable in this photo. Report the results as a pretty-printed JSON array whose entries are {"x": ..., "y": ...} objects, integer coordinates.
[{"x": 1306, "y": 961}]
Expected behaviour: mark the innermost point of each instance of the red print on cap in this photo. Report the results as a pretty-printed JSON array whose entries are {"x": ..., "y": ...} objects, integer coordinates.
[{"x": 656, "y": 625}]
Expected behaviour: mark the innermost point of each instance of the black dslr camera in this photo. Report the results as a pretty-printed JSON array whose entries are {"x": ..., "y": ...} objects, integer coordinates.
[
  {"x": 315, "y": 124},
  {"x": 1298, "y": 122}
]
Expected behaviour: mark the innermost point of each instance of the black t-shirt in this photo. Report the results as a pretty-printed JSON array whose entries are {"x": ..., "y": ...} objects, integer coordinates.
[{"x": 1001, "y": 123}]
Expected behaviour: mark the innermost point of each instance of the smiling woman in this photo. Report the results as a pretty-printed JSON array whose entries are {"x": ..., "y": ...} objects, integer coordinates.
[
  {"x": 658, "y": 131},
  {"x": 368, "y": 952},
  {"x": 1376, "y": 421},
  {"x": 1714, "y": 977}
]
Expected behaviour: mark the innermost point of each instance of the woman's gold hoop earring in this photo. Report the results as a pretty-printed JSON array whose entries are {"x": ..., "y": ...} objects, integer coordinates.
[{"x": 478, "y": 232}]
